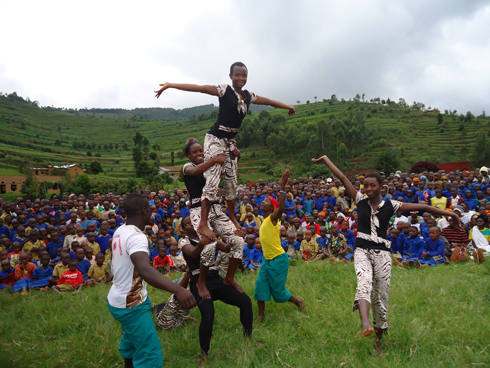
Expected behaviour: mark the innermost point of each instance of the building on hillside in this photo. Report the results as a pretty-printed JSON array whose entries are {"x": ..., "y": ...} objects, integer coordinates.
[
  {"x": 73, "y": 170},
  {"x": 13, "y": 183},
  {"x": 173, "y": 171}
]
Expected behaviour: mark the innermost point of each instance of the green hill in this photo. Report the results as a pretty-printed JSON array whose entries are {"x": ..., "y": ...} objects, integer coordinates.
[{"x": 354, "y": 134}]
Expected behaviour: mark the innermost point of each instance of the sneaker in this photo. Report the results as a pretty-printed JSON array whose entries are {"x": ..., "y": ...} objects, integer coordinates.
[
  {"x": 416, "y": 263},
  {"x": 480, "y": 255},
  {"x": 411, "y": 264}
]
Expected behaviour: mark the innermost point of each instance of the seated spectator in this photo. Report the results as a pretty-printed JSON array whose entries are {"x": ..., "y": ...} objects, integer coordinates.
[
  {"x": 7, "y": 275},
  {"x": 70, "y": 280},
  {"x": 23, "y": 273},
  {"x": 433, "y": 253},
  {"x": 256, "y": 256}
]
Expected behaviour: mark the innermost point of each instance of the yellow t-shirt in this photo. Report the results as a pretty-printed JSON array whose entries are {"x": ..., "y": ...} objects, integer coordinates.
[
  {"x": 439, "y": 202},
  {"x": 29, "y": 245},
  {"x": 311, "y": 245},
  {"x": 97, "y": 272},
  {"x": 59, "y": 269},
  {"x": 95, "y": 247},
  {"x": 270, "y": 239}
]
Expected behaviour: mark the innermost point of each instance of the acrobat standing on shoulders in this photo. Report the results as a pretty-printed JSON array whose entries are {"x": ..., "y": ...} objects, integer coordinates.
[{"x": 234, "y": 102}]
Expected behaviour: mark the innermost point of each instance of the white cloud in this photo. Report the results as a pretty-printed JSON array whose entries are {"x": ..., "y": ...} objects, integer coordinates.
[{"x": 115, "y": 53}]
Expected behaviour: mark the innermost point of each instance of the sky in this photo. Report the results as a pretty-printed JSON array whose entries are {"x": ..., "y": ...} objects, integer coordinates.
[{"x": 116, "y": 53}]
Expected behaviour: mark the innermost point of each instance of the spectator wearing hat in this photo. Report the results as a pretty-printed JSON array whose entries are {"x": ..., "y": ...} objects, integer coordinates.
[{"x": 484, "y": 173}]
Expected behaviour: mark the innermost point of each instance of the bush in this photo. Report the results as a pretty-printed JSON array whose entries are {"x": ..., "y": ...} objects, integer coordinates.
[
  {"x": 422, "y": 166},
  {"x": 387, "y": 161}
]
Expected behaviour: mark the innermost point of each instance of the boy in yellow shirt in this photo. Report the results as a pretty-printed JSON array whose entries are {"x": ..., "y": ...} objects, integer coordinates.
[
  {"x": 439, "y": 201},
  {"x": 309, "y": 246},
  {"x": 99, "y": 272},
  {"x": 60, "y": 268},
  {"x": 33, "y": 244},
  {"x": 92, "y": 243}
]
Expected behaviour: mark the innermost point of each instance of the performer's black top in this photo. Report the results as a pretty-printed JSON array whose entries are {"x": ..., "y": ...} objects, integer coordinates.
[
  {"x": 372, "y": 226},
  {"x": 194, "y": 265},
  {"x": 232, "y": 111},
  {"x": 194, "y": 184}
]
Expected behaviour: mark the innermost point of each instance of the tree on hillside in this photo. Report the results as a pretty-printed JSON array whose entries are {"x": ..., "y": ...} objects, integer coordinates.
[
  {"x": 105, "y": 147},
  {"x": 116, "y": 146},
  {"x": 153, "y": 155},
  {"x": 322, "y": 130},
  {"x": 333, "y": 97},
  {"x": 172, "y": 158},
  {"x": 342, "y": 153},
  {"x": 95, "y": 167},
  {"x": 89, "y": 153},
  {"x": 480, "y": 152},
  {"x": 363, "y": 97},
  {"x": 387, "y": 161},
  {"x": 298, "y": 102},
  {"x": 111, "y": 146},
  {"x": 440, "y": 119},
  {"x": 140, "y": 157},
  {"x": 315, "y": 97}
]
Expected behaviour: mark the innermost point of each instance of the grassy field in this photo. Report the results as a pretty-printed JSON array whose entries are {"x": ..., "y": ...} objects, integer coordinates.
[{"x": 438, "y": 317}]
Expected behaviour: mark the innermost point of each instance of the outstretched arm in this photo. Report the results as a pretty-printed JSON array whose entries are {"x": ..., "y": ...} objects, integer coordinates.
[
  {"x": 351, "y": 191},
  {"x": 276, "y": 215},
  {"x": 408, "y": 207},
  {"x": 274, "y": 103},
  {"x": 199, "y": 169},
  {"x": 208, "y": 89}
]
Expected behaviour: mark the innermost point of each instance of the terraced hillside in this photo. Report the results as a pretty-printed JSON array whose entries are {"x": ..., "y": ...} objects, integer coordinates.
[{"x": 40, "y": 136}]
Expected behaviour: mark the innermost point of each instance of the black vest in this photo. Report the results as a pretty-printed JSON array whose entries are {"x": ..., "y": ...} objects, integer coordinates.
[
  {"x": 194, "y": 184},
  {"x": 228, "y": 114},
  {"x": 364, "y": 223}
]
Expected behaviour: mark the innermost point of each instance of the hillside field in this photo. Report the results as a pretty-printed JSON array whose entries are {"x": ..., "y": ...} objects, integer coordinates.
[{"x": 40, "y": 136}]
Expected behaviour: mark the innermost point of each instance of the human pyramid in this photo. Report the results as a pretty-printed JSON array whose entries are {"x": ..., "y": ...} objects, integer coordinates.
[{"x": 262, "y": 227}]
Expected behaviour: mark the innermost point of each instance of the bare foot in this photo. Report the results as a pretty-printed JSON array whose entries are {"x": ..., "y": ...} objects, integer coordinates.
[
  {"x": 301, "y": 304},
  {"x": 192, "y": 319},
  {"x": 232, "y": 282},
  {"x": 56, "y": 289},
  {"x": 202, "y": 360},
  {"x": 259, "y": 319},
  {"x": 24, "y": 293},
  {"x": 377, "y": 347},
  {"x": 203, "y": 291},
  {"x": 204, "y": 230},
  {"x": 367, "y": 330}
]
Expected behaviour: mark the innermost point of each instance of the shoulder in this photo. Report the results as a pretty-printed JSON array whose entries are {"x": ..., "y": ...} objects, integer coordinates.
[
  {"x": 222, "y": 89},
  {"x": 187, "y": 165}
]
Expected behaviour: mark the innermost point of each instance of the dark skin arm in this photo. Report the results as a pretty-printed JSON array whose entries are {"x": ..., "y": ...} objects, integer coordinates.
[
  {"x": 276, "y": 215},
  {"x": 155, "y": 279},
  {"x": 199, "y": 169},
  {"x": 280, "y": 105},
  {"x": 207, "y": 89},
  {"x": 408, "y": 207},
  {"x": 185, "y": 280},
  {"x": 195, "y": 252},
  {"x": 349, "y": 188}
]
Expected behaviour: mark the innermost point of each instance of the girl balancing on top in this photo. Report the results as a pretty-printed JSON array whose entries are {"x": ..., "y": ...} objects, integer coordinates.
[
  {"x": 372, "y": 257},
  {"x": 234, "y": 102}
]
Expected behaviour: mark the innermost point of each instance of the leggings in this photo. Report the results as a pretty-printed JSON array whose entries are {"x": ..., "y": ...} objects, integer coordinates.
[{"x": 227, "y": 295}]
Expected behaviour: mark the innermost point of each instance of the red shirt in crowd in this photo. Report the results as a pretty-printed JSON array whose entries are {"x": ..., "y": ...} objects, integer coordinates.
[
  {"x": 167, "y": 260},
  {"x": 72, "y": 278}
]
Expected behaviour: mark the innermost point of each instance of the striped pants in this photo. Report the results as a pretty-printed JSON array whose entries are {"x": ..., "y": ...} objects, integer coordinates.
[
  {"x": 373, "y": 270},
  {"x": 214, "y": 146},
  {"x": 224, "y": 228}
]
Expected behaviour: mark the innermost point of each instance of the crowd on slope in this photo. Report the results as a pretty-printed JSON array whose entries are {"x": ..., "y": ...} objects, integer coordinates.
[{"x": 64, "y": 243}]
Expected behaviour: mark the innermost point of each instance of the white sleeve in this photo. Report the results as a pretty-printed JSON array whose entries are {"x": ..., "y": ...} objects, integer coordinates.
[
  {"x": 186, "y": 165},
  {"x": 253, "y": 97},
  {"x": 396, "y": 205},
  {"x": 359, "y": 197},
  {"x": 137, "y": 243},
  {"x": 221, "y": 89}
]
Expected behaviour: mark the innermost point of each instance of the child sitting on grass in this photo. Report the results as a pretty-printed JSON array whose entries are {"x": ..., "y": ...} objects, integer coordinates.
[
  {"x": 42, "y": 274},
  {"x": 71, "y": 280},
  {"x": 33, "y": 244},
  {"x": 309, "y": 247},
  {"x": 14, "y": 255},
  {"x": 293, "y": 247},
  {"x": 247, "y": 249},
  {"x": 177, "y": 257},
  {"x": 337, "y": 245},
  {"x": 256, "y": 256},
  {"x": 99, "y": 272},
  {"x": 412, "y": 249},
  {"x": 60, "y": 268},
  {"x": 92, "y": 244},
  {"x": 23, "y": 273},
  {"x": 163, "y": 262},
  {"x": 433, "y": 253},
  {"x": 7, "y": 275},
  {"x": 83, "y": 265}
]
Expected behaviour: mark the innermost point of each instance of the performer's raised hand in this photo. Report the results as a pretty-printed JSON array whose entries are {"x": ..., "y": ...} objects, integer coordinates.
[
  {"x": 317, "y": 160},
  {"x": 284, "y": 179},
  {"x": 292, "y": 111},
  {"x": 165, "y": 86}
]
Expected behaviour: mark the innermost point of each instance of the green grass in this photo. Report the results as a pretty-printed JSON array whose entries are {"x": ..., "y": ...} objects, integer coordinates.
[{"x": 438, "y": 317}]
